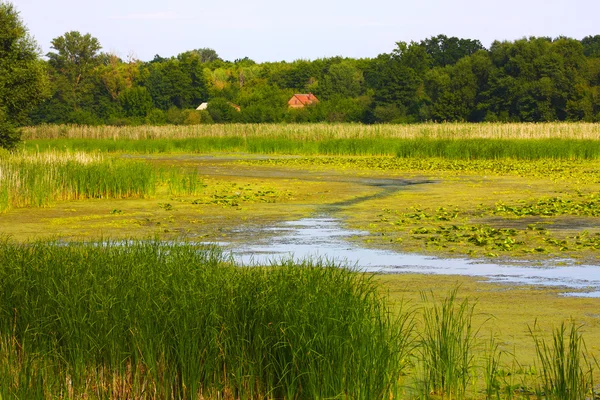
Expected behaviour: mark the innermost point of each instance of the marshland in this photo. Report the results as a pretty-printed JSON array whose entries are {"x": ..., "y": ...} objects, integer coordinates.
[{"x": 119, "y": 277}]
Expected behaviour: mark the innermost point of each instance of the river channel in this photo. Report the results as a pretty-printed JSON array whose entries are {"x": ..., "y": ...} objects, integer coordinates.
[{"x": 324, "y": 238}]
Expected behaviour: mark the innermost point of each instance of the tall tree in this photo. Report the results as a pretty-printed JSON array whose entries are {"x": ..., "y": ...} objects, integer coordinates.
[
  {"x": 72, "y": 63},
  {"x": 591, "y": 46},
  {"x": 23, "y": 81},
  {"x": 446, "y": 50}
]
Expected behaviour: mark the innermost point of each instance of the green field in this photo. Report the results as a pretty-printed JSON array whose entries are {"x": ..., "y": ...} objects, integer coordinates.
[{"x": 134, "y": 308}]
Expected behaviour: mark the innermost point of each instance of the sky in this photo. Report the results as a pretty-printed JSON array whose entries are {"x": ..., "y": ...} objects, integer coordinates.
[{"x": 276, "y": 30}]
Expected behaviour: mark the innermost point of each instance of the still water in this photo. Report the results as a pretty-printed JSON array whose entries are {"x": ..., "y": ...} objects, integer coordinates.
[{"x": 325, "y": 238}]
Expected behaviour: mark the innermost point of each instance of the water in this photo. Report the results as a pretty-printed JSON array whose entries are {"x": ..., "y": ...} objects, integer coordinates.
[{"x": 325, "y": 238}]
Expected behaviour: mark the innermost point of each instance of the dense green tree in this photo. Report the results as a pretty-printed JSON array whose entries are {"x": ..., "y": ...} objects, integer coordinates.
[
  {"x": 343, "y": 79},
  {"x": 591, "y": 46},
  {"x": 136, "y": 102},
  {"x": 72, "y": 64},
  {"x": 192, "y": 64},
  {"x": 222, "y": 111},
  {"x": 23, "y": 81},
  {"x": 396, "y": 84},
  {"x": 446, "y": 50},
  {"x": 168, "y": 84},
  {"x": 452, "y": 91},
  {"x": 441, "y": 78},
  {"x": 535, "y": 79}
]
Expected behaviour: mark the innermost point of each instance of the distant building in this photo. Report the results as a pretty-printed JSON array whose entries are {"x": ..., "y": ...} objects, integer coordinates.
[
  {"x": 300, "y": 100},
  {"x": 204, "y": 106}
]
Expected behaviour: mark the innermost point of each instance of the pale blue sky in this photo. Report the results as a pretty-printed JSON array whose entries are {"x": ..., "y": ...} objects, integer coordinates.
[{"x": 271, "y": 30}]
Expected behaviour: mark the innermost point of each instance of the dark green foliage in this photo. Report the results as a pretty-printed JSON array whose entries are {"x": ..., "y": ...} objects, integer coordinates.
[
  {"x": 72, "y": 67},
  {"x": 23, "y": 81},
  {"x": 448, "y": 50},
  {"x": 438, "y": 79},
  {"x": 591, "y": 46},
  {"x": 9, "y": 135},
  {"x": 136, "y": 102},
  {"x": 221, "y": 111}
]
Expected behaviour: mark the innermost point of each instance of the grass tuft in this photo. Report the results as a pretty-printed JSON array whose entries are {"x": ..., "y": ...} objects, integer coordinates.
[{"x": 565, "y": 371}]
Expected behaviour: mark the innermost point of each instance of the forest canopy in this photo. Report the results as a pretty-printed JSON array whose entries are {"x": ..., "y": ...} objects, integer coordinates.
[{"x": 437, "y": 79}]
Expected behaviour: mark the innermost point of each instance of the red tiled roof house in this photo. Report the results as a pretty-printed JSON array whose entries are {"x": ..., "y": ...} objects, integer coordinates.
[{"x": 300, "y": 100}]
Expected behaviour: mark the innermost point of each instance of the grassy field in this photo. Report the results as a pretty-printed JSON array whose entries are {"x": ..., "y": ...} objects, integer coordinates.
[{"x": 524, "y": 192}]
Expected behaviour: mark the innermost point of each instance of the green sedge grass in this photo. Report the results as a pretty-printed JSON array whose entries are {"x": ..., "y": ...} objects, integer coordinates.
[
  {"x": 155, "y": 320},
  {"x": 453, "y": 149},
  {"x": 565, "y": 371},
  {"x": 447, "y": 345},
  {"x": 40, "y": 179}
]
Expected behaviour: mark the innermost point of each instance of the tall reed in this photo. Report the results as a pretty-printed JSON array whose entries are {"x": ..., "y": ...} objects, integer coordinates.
[
  {"x": 552, "y": 130},
  {"x": 566, "y": 373},
  {"x": 40, "y": 179},
  {"x": 154, "y": 320},
  {"x": 458, "y": 148},
  {"x": 446, "y": 347}
]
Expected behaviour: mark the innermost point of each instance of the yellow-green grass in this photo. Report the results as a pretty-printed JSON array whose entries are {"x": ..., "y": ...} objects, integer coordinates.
[
  {"x": 226, "y": 207},
  {"x": 41, "y": 179},
  {"x": 452, "y": 141},
  {"x": 587, "y": 131}
]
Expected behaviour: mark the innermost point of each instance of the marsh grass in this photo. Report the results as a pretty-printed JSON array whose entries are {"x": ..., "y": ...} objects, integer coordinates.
[
  {"x": 453, "y": 149},
  {"x": 497, "y": 149},
  {"x": 154, "y": 320},
  {"x": 553, "y": 130},
  {"x": 40, "y": 179},
  {"x": 566, "y": 373},
  {"x": 447, "y": 345}
]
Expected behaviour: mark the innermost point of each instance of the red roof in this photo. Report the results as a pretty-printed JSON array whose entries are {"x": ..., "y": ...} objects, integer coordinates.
[{"x": 305, "y": 99}]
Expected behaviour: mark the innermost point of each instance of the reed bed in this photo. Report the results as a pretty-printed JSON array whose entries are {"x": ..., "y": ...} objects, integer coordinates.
[
  {"x": 456, "y": 149},
  {"x": 498, "y": 149},
  {"x": 40, "y": 179},
  {"x": 154, "y": 320},
  {"x": 552, "y": 130}
]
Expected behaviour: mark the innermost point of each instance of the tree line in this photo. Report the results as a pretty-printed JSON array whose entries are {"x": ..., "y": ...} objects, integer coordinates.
[{"x": 437, "y": 79}]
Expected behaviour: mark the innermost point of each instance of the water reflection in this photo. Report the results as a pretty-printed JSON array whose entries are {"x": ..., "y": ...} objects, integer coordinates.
[{"x": 326, "y": 238}]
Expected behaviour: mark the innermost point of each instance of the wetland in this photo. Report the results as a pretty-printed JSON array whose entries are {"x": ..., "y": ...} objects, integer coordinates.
[{"x": 519, "y": 236}]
